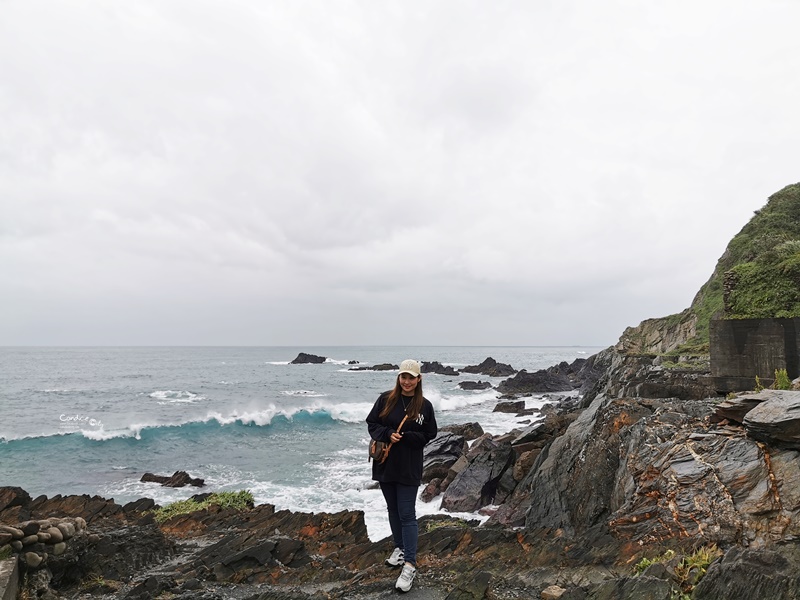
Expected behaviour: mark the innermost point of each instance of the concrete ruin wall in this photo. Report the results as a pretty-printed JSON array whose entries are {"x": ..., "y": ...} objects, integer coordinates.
[{"x": 740, "y": 349}]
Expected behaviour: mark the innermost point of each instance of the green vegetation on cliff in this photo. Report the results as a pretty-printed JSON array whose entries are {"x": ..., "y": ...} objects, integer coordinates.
[
  {"x": 760, "y": 269},
  {"x": 758, "y": 276},
  {"x": 763, "y": 266}
]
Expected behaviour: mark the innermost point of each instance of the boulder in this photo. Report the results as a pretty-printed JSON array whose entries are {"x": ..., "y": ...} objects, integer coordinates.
[
  {"x": 431, "y": 490},
  {"x": 627, "y": 588},
  {"x": 490, "y": 367},
  {"x": 440, "y": 454},
  {"x": 734, "y": 409},
  {"x": 477, "y": 484},
  {"x": 470, "y": 431},
  {"x": 775, "y": 420},
  {"x": 553, "y": 592},
  {"x": 509, "y": 406},
  {"x": 524, "y": 463},
  {"x": 763, "y": 573},
  {"x": 303, "y": 359}
]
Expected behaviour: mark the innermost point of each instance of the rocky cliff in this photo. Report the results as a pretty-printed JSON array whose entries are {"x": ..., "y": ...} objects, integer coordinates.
[{"x": 756, "y": 277}]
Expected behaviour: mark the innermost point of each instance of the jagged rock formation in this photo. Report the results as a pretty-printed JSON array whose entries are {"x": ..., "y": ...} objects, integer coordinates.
[
  {"x": 658, "y": 336},
  {"x": 491, "y": 368},
  {"x": 644, "y": 376},
  {"x": 563, "y": 377},
  {"x": 438, "y": 368}
]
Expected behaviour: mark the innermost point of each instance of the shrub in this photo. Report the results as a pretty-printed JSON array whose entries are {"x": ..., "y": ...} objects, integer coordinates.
[
  {"x": 782, "y": 381},
  {"x": 642, "y": 565},
  {"x": 241, "y": 500},
  {"x": 688, "y": 571}
]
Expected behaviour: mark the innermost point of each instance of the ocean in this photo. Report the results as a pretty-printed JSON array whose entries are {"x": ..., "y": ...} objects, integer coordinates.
[{"x": 85, "y": 420}]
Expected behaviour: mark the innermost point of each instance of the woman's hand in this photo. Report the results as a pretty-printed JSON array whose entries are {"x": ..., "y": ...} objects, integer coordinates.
[{"x": 395, "y": 437}]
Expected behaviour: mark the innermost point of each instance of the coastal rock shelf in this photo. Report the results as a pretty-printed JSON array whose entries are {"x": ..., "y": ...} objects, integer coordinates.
[{"x": 574, "y": 501}]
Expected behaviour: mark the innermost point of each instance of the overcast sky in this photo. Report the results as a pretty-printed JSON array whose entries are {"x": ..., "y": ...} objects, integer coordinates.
[{"x": 253, "y": 172}]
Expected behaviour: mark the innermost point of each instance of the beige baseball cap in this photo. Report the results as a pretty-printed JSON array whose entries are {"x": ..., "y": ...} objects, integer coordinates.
[{"x": 410, "y": 366}]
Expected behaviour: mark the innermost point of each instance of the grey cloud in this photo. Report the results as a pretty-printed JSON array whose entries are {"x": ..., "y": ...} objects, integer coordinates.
[{"x": 264, "y": 173}]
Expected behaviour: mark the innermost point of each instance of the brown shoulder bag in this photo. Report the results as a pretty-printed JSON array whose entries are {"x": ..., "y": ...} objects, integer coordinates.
[{"x": 380, "y": 450}]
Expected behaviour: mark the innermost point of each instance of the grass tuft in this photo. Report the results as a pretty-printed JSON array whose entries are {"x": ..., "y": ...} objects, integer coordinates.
[{"x": 241, "y": 500}]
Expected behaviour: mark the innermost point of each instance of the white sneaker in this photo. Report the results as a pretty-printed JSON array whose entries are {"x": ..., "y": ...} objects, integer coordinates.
[
  {"x": 406, "y": 578},
  {"x": 396, "y": 559}
]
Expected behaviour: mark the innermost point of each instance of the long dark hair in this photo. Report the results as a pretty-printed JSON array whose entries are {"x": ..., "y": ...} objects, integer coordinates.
[{"x": 393, "y": 396}]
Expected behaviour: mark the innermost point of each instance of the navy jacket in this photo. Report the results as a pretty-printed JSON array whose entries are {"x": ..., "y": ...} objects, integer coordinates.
[{"x": 404, "y": 464}]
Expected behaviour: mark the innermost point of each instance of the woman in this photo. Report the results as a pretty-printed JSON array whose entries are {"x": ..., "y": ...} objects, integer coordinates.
[{"x": 400, "y": 475}]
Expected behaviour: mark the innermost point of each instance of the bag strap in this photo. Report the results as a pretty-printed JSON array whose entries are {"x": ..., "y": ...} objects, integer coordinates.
[
  {"x": 389, "y": 447},
  {"x": 399, "y": 427}
]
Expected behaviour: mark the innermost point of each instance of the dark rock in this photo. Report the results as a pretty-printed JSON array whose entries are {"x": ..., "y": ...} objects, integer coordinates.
[
  {"x": 491, "y": 368},
  {"x": 474, "y": 385},
  {"x": 432, "y": 489},
  {"x": 191, "y": 584},
  {"x": 438, "y": 368},
  {"x": 625, "y": 588},
  {"x": 303, "y": 359},
  {"x": 470, "y": 431},
  {"x": 776, "y": 419},
  {"x": 30, "y": 527},
  {"x": 177, "y": 479},
  {"x": 762, "y": 573},
  {"x": 152, "y": 587},
  {"x": 90, "y": 508},
  {"x": 734, "y": 409},
  {"x": 509, "y": 407},
  {"x": 380, "y": 367},
  {"x": 473, "y": 589},
  {"x": 440, "y": 454},
  {"x": 594, "y": 369},
  {"x": 13, "y": 496},
  {"x": 544, "y": 380},
  {"x": 552, "y": 425},
  {"x": 523, "y": 464},
  {"x": 639, "y": 376},
  {"x": 478, "y": 483},
  {"x": 139, "y": 506}
]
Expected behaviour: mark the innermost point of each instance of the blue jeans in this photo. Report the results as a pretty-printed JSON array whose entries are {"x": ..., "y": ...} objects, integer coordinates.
[{"x": 401, "y": 503}]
